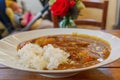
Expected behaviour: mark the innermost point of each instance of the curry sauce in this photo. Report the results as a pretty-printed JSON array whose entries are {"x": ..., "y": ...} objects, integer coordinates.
[{"x": 84, "y": 50}]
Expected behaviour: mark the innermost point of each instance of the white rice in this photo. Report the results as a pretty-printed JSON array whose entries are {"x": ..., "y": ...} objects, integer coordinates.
[{"x": 35, "y": 57}]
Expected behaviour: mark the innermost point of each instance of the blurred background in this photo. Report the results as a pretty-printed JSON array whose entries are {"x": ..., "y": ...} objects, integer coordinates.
[{"x": 21, "y": 12}]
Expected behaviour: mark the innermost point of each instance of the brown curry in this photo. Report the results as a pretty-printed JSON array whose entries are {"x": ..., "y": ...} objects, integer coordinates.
[{"x": 84, "y": 50}]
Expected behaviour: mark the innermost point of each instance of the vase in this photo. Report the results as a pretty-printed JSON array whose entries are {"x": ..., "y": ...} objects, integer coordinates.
[{"x": 67, "y": 22}]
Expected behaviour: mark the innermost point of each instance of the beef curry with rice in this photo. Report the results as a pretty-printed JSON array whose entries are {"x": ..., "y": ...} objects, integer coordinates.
[{"x": 84, "y": 50}]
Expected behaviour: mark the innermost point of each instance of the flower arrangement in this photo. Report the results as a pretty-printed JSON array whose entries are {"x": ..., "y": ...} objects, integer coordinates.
[{"x": 67, "y": 10}]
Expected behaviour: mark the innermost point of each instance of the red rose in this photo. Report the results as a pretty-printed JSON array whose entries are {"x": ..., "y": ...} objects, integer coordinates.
[
  {"x": 60, "y": 8},
  {"x": 72, "y": 3}
]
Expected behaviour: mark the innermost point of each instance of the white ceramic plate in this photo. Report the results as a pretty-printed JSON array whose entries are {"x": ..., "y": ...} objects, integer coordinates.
[{"x": 8, "y": 52}]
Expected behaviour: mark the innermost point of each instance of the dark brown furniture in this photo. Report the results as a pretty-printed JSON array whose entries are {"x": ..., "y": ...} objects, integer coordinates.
[{"x": 90, "y": 4}]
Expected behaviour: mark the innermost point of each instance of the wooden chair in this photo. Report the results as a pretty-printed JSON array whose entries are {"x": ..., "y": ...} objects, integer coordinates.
[{"x": 90, "y": 4}]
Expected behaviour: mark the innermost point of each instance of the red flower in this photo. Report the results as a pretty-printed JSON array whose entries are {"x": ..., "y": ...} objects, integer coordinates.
[
  {"x": 60, "y": 8},
  {"x": 72, "y": 3}
]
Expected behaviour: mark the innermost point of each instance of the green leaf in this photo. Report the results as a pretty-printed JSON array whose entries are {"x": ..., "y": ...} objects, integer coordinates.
[
  {"x": 80, "y": 5},
  {"x": 51, "y": 2}
]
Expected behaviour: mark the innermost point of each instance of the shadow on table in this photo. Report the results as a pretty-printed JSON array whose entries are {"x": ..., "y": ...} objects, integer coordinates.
[{"x": 93, "y": 74}]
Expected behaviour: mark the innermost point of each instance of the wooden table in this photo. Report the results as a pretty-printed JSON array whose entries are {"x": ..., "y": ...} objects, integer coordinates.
[{"x": 107, "y": 72}]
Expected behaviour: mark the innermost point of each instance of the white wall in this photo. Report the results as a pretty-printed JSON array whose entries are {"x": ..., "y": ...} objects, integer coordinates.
[
  {"x": 118, "y": 12},
  {"x": 32, "y": 5},
  {"x": 111, "y": 20}
]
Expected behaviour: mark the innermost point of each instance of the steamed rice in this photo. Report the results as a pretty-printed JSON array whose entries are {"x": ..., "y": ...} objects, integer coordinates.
[{"x": 35, "y": 57}]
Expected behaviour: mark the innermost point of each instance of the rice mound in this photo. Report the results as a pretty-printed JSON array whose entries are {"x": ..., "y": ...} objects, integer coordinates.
[{"x": 35, "y": 57}]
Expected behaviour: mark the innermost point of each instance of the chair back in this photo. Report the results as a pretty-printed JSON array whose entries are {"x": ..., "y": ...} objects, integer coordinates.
[{"x": 90, "y": 4}]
